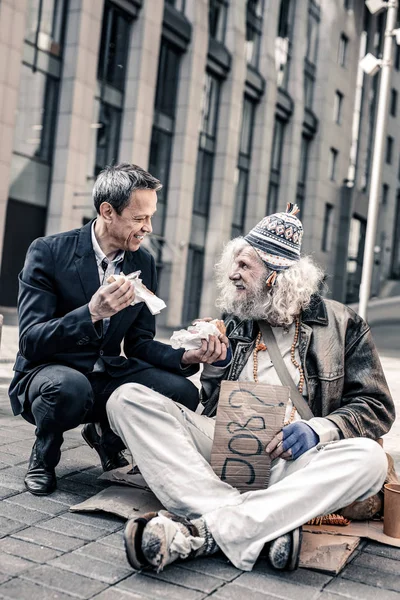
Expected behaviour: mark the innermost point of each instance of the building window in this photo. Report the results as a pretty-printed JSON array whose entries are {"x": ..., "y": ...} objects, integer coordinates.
[
  {"x": 303, "y": 167},
  {"x": 177, "y": 4},
  {"x": 327, "y": 234},
  {"x": 163, "y": 127},
  {"x": 217, "y": 16},
  {"x": 393, "y": 102},
  {"x": 385, "y": 194},
  {"x": 389, "y": 149},
  {"x": 45, "y": 25},
  {"x": 276, "y": 164},
  {"x": 311, "y": 54},
  {"x": 167, "y": 80},
  {"x": 348, "y": 4},
  {"x": 283, "y": 43},
  {"x": 342, "y": 53},
  {"x": 337, "y": 108},
  {"x": 113, "y": 55},
  {"x": 254, "y": 21},
  {"x": 243, "y": 168},
  {"x": 194, "y": 279},
  {"x": 355, "y": 253},
  {"x": 36, "y": 115},
  {"x": 108, "y": 133},
  {"x": 207, "y": 141},
  {"x": 333, "y": 155},
  {"x": 397, "y": 58}
]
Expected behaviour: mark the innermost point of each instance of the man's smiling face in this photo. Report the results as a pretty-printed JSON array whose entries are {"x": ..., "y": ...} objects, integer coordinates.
[{"x": 128, "y": 229}]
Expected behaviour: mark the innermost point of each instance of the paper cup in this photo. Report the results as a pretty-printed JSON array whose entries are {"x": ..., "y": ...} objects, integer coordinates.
[{"x": 391, "y": 520}]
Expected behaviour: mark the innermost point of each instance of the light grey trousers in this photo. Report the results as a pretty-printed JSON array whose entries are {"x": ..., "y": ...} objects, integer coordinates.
[{"x": 172, "y": 446}]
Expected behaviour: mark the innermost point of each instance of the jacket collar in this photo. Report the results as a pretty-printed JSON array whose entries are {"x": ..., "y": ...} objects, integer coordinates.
[
  {"x": 316, "y": 311},
  {"x": 84, "y": 245}
]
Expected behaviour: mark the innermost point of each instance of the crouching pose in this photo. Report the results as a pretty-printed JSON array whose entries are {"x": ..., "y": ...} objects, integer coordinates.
[{"x": 319, "y": 465}]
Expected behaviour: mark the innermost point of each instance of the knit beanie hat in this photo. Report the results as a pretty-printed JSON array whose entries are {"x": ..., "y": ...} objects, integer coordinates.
[{"x": 277, "y": 240}]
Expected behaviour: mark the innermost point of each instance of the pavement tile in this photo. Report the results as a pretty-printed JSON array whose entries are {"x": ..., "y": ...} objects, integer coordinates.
[
  {"x": 33, "y": 552},
  {"x": 13, "y": 565},
  {"x": 115, "y": 593},
  {"x": 154, "y": 588},
  {"x": 17, "y": 589},
  {"x": 99, "y": 551},
  {"x": 66, "y": 498},
  {"x": 212, "y": 566},
  {"x": 275, "y": 586},
  {"x": 5, "y": 492},
  {"x": 373, "y": 576},
  {"x": 115, "y": 539},
  {"x": 92, "y": 567},
  {"x": 4, "y": 578},
  {"x": 8, "y": 526},
  {"x": 20, "y": 513},
  {"x": 10, "y": 459},
  {"x": 190, "y": 579},
  {"x": 301, "y": 576},
  {"x": 386, "y": 565},
  {"x": 50, "y": 539},
  {"x": 358, "y": 591},
  {"x": 64, "y": 581},
  {"x": 231, "y": 591},
  {"x": 382, "y": 550},
  {"x": 73, "y": 529},
  {"x": 110, "y": 523},
  {"x": 75, "y": 487},
  {"x": 13, "y": 478},
  {"x": 39, "y": 503}
]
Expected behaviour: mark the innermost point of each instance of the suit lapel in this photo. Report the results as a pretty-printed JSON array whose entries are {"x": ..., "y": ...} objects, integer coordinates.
[{"x": 85, "y": 262}]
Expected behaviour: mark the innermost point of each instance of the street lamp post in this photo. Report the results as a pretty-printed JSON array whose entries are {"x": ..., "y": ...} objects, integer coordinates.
[{"x": 377, "y": 161}]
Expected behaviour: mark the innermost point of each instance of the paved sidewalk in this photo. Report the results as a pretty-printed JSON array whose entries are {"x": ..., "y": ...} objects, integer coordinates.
[{"x": 46, "y": 552}]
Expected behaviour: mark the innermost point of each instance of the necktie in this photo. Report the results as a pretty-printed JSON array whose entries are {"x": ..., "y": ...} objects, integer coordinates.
[{"x": 104, "y": 266}]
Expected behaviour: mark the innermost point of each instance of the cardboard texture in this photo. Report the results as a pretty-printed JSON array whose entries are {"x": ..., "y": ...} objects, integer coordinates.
[
  {"x": 249, "y": 415},
  {"x": 373, "y": 530},
  {"x": 325, "y": 552},
  {"x": 128, "y": 475},
  {"x": 120, "y": 500},
  {"x": 391, "y": 523}
]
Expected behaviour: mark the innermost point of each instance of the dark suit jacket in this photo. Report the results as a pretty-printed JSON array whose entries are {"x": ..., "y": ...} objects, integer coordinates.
[{"x": 59, "y": 278}]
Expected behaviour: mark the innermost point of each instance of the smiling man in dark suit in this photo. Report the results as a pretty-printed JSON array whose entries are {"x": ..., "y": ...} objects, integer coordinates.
[{"x": 72, "y": 325}]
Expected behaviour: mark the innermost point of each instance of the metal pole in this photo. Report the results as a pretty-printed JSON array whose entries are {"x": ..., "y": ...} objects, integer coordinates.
[{"x": 376, "y": 174}]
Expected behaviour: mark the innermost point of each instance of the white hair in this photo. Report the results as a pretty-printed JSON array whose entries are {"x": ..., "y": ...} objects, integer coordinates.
[{"x": 279, "y": 304}]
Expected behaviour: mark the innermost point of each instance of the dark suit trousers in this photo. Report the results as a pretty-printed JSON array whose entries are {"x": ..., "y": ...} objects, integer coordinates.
[{"x": 60, "y": 398}]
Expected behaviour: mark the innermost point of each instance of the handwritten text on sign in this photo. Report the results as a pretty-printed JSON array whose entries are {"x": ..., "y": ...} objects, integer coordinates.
[{"x": 249, "y": 415}]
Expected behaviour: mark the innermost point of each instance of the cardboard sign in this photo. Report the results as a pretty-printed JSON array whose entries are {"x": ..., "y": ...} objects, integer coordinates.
[{"x": 249, "y": 415}]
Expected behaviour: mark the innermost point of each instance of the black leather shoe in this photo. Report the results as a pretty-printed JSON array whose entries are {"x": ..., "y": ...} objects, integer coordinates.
[
  {"x": 109, "y": 460},
  {"x": 40, "y": 479}
]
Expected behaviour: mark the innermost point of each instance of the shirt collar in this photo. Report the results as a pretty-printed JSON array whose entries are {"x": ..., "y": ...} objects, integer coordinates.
[{"x": 100, "y": 256}]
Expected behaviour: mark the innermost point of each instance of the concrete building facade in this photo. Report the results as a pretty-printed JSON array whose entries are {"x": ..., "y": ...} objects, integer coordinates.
[{"x": 238, "y": 106}]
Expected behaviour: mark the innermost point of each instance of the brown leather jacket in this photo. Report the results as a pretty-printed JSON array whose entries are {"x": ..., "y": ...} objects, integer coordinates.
[{"x": 345, "y": 381}]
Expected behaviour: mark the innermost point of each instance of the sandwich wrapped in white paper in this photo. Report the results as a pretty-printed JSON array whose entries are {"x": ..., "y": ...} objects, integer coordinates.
[
  {"x": 142, "y": 293},
  {"x": 192, "y": 337}
]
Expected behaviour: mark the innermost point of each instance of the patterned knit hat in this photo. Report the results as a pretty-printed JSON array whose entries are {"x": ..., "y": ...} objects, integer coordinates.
[{"x": 277, "y": 240}]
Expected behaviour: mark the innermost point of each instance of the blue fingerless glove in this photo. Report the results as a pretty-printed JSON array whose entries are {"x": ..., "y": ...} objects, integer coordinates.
[
  {"x": 224, "y": 363},
  {"x": 299, "y": 437}
]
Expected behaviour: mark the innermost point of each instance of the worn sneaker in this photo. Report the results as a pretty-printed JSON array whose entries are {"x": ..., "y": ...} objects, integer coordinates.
[
  {"x": 157, "y": 540},
  {"x": 284, "y": 552}
]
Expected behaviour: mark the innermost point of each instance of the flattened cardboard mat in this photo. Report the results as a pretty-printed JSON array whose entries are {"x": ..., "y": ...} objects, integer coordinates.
[{"x": 249, "y": 415}]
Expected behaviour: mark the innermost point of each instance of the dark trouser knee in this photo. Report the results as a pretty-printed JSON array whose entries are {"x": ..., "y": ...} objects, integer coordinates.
[
  {"x": 60, "y": 398},
  {"x": 173, "y": 386}
]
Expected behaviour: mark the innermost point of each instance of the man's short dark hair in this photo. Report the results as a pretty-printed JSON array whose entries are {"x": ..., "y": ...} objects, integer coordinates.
[{"x": 115, "y": 185}]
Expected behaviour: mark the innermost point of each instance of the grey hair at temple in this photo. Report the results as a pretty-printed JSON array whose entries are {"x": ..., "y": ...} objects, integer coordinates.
[
  {"x": 116, "y": 183},
  {"x": 280, "y": 304}
]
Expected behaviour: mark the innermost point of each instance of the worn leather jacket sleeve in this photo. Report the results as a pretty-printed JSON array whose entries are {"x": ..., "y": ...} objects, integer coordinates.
[{"x": 367, "y": 408}]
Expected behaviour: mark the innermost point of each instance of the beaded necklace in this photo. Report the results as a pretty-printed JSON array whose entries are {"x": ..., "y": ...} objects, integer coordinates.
[{"x": 259, "y": 347}]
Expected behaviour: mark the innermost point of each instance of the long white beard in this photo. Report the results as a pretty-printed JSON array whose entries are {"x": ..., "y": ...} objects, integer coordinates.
[{"x": 247, "y": 305}]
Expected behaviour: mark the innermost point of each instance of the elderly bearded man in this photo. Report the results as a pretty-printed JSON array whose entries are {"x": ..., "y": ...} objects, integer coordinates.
[{"x": 320, "y": 465}]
